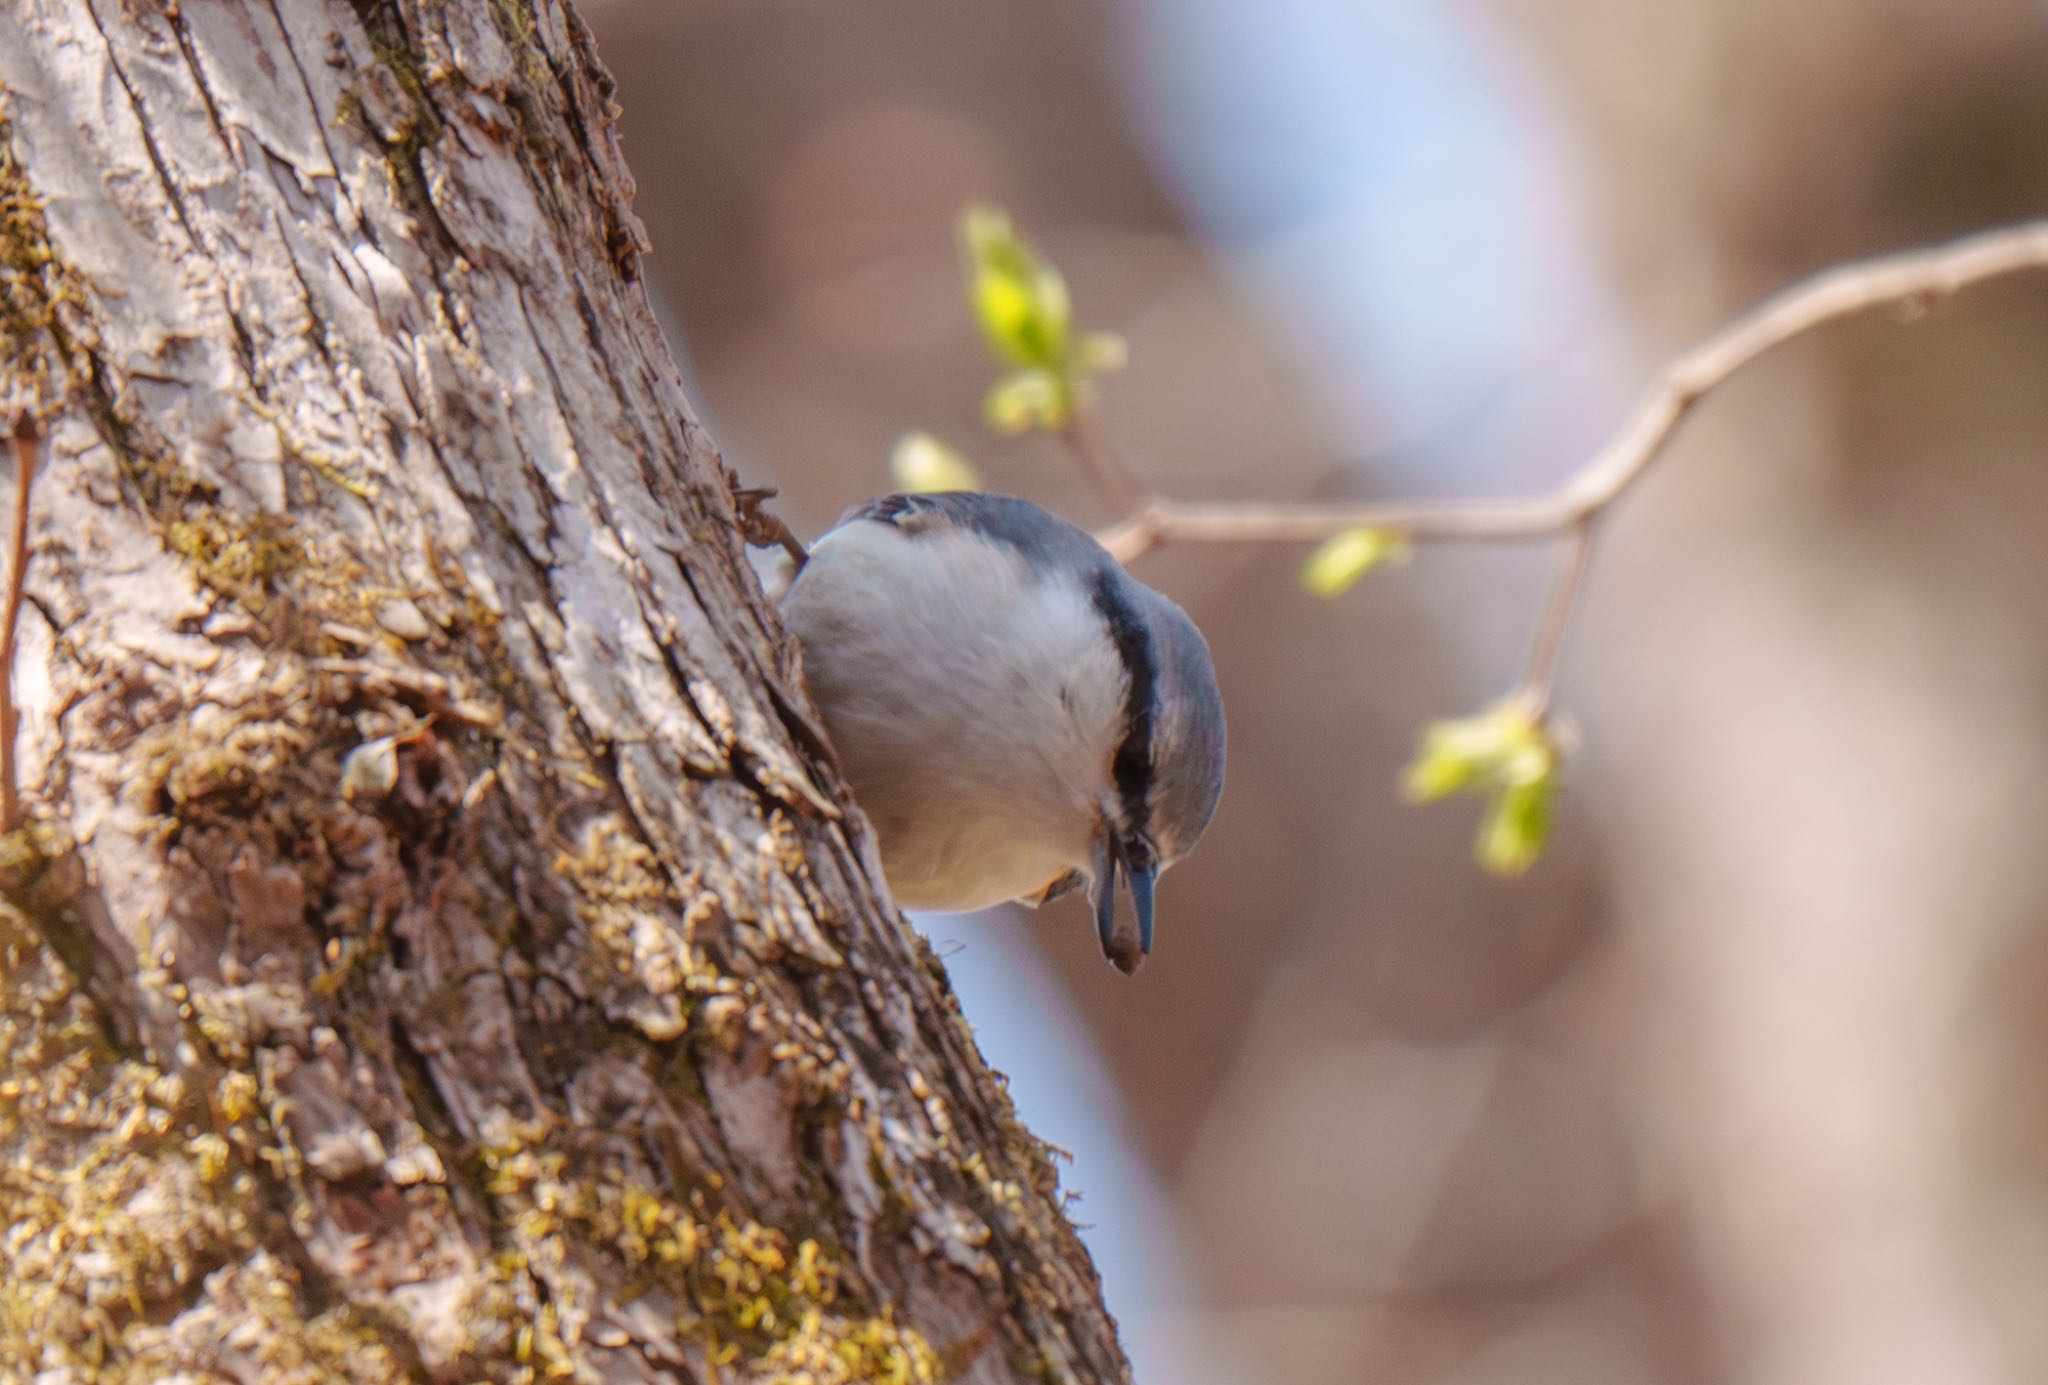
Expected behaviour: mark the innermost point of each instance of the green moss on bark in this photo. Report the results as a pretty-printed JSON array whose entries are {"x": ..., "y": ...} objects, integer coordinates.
[
  {"x": 760, "y": 1305},
  {"x": 37, "y": 354},
  {"x": 133, "y": 1219}
]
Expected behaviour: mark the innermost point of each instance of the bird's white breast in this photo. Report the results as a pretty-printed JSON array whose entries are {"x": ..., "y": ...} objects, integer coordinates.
[{"x": 974, "y": 706}]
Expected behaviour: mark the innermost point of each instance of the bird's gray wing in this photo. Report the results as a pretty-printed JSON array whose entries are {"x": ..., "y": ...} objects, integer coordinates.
[{"x": 1046, "y": 539}]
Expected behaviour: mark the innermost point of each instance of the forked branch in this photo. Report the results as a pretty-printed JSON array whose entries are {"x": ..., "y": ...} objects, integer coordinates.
[
  {"x": 1916, "y": 280},
  {"x": 1511, "y": 752}
]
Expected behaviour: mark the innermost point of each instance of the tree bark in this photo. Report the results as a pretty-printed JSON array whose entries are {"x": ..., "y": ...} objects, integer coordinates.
[{"x": 438, "y": 946}]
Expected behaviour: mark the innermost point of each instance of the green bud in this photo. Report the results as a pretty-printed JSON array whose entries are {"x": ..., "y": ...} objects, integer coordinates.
[
  {"x": 1020, "y": 301},
  {"x": 1506, "y": 753},
  {"x": 1516, "y": 826},
  {"x": 1027, "y": 399},
  {"x": 1337, "y": 564}
]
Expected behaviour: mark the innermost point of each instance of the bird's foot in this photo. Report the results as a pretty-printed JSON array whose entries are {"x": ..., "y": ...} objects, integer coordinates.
[{"x": 762, "y": 529}]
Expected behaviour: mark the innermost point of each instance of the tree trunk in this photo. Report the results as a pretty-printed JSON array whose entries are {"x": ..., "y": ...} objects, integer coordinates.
[{"x": 437, "y": 947}]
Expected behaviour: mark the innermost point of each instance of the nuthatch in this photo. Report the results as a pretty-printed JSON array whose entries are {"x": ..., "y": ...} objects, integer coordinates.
[{"x": 1014, "y": 712}]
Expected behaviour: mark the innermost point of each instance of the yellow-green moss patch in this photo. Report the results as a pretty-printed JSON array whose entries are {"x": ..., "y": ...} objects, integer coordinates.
[
  {"x": 127, "y": 1215},
  {"x": 756, "y": 1301},
  {"x": 37, "y": 356}
]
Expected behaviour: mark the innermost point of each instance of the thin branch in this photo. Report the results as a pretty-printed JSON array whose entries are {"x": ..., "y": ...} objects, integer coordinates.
[
  {"x": 1083, "y": 434},
  {"x": 1541, "y": 676},
  {"x": 1159, "y": 522},
  {"x": 1919, "y": 280},
  {"x": 26, "y": 437}
]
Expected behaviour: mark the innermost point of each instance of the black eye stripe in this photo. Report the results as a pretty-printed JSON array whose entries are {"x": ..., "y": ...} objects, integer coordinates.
[{"x": 1132, "y": 765}]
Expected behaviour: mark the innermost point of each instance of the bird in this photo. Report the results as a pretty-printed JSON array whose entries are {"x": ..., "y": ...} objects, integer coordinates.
[{"x": 1015, "y": 713}]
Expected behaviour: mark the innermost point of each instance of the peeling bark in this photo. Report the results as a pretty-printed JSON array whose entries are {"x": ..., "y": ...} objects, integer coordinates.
[{"x": 436, "y": 950}]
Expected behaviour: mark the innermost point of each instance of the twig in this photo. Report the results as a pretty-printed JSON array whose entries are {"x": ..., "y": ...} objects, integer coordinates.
[
  {"x": 1158, "y": 522},
  {"x": 1083, "y": 434},
  {"x": 26, "y": 437},
  {"x": 1919, "y": 279},
  {"x": 1541, "y": 675}
]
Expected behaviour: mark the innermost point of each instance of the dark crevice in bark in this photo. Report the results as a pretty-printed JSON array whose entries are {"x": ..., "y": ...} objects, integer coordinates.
[
  {"x": 64, "y": 920},
  {"x": 314, "y": 336},
  {"x": 200, "y": 86},
  {"x": 172, "y": 192},
  {"x": 393, "y": 43},
  {"x": 320, "y": 117}
]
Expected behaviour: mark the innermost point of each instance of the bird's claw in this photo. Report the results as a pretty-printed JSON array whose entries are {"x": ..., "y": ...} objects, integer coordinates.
[{"x": 761, "y": 529}]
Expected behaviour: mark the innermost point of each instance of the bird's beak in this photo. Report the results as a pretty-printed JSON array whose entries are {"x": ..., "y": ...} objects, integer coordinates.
[
  {"x": 1126, "y": 952},
  {"x": 1141, "y": 882}
]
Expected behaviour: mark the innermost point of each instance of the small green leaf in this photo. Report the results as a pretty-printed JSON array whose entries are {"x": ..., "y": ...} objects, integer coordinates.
[
  {"x": 1022, "y": 307},
  {"x": 1020, "y": 301},
  {"x": 1516, "y": 826},
  {"x": 1027, "y": 399},
  {"x": 1458, "y": 754},
  {"x": 1502, "y": 745},
  {"x": 1506, "y": 753},
  {"x": 1335, "y": 567},
  {"x": 920, "y": 462}
]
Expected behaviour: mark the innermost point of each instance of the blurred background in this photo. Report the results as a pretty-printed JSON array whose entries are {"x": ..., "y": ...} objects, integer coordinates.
[{"x": 1744, "y": 1082}]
